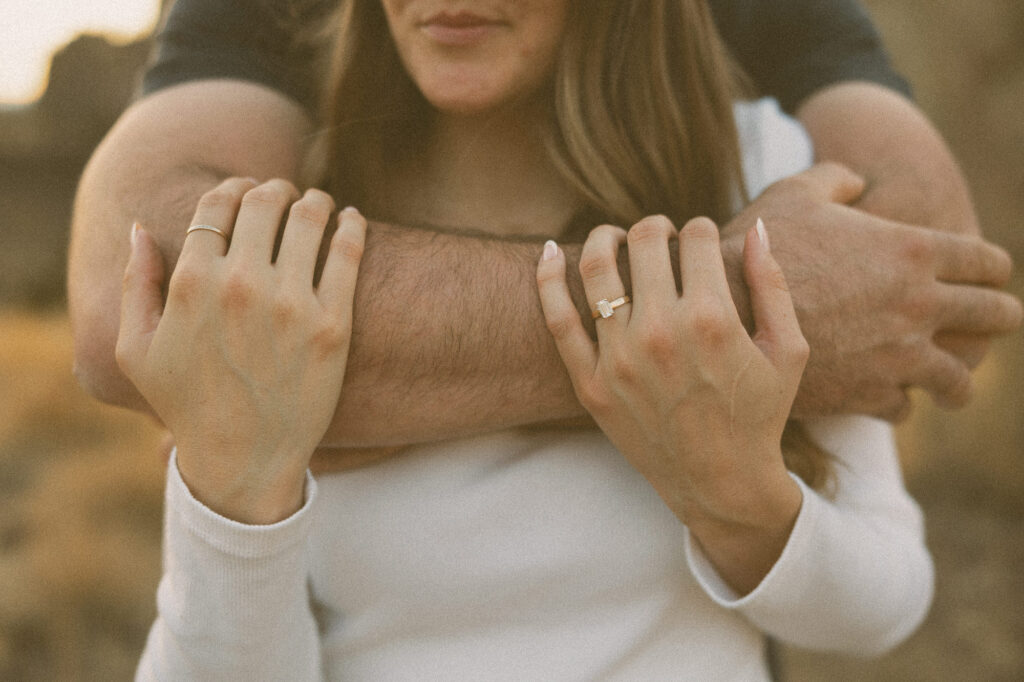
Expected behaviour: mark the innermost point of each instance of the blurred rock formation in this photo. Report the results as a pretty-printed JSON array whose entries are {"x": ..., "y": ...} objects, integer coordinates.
[
  {"x": 43, "y": 147},
  {"x": 91, "y": 82}
]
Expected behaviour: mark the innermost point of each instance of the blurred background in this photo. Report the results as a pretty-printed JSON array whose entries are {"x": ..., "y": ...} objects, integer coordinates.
[{"x": 80, "y": 483}]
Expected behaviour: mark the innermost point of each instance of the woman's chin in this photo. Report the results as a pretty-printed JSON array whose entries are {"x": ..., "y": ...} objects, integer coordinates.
[
  {"x": 478, "y": 104},
  {"x": 467, "y": 104}
]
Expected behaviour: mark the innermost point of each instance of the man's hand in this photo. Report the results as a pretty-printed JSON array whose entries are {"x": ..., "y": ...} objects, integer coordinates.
[
  {"x": 872, "y": 294},
  {"x": 911, "y": 175}
]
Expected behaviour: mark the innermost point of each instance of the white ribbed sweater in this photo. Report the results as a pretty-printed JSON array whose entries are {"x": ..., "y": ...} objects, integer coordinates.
[{"x": 535, "y": 556}]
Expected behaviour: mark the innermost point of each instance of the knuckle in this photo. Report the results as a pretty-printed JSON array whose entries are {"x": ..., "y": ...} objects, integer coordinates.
[
  {"x": 774, "y": 278},
  {"x": 623, "y": 367},
  {"x": 547, "y": 276},
  {"x": 311, "y": 212},
  {"x": 909, "y": 354},
  {"x": 826, "y": 174},
  {"x": 658, "y": 341},
  {"x": 832, "y": 168},
  {"x": 604, "y": 238},
  {"x": 283, "y": 186},
  {"x": 284, "y": 309},
  {"x": 655, "y": 227},
  {"x": 918, "y": 249},
  {"x": 560, "y": 325},
  {"x": 320, "y": 197},
  {"x": 605, "y": 232},
  {"x": 238, "y": 185},
  {"x": 347, "y": 248},
  {"x": 794, "y": 184},
  {"x": 218, "y": 200},
  {"x": 701, "y": 228},
  {"x": 594, "y": 265},
  {"x": 708, "y": 323},
  {"x": 239, "y": 290},
  {"x": 331, "y": 336},
  {"x": 272, "y": 193},
  {"x": 920, "y": 304}
]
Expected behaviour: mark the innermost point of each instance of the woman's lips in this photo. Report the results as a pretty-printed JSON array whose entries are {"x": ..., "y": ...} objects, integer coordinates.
[{"x": 458, "y": 29}]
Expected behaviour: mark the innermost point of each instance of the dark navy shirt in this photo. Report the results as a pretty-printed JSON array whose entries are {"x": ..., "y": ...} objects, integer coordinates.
[{"x": 789, "y": 48}]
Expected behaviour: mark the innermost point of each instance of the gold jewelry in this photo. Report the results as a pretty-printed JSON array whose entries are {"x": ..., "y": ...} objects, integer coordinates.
[
  {"x": 605, "y": 308},
  {"x": 208, "y": 228}
]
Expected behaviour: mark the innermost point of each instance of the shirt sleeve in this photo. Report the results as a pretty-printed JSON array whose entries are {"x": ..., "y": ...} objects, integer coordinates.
[
  {"x": 793, "y": 48},
  {"x": 251, "y": 40},
  {"x": 855, "y": 576},
  {"x": 233, "y": 602}
]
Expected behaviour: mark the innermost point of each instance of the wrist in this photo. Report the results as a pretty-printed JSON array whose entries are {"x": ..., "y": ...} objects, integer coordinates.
[
  {"x": 764, "y": 504},
  {"x": 250, "y": 497},
  {"x": 744, "y": 548}
]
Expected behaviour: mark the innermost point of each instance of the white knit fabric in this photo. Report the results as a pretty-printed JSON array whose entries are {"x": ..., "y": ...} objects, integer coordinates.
[{"x": 535, "y": 555}]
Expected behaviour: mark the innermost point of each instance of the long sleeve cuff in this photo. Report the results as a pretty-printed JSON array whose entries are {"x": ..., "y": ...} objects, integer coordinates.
[
  {"x": 234, "y": 602},
  {"x": 782, "y": 582},
  {"x": 844, "y": 582},
  {"x": 231, "y": 537}
]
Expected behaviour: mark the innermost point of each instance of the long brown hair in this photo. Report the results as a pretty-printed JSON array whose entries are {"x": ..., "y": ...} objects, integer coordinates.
[{"x": 641, "y": 122}]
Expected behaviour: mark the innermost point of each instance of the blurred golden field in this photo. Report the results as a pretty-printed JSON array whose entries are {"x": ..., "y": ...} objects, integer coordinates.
[
  {"x": 81, "y": 483},
  {"x": 80, "y": 530}
]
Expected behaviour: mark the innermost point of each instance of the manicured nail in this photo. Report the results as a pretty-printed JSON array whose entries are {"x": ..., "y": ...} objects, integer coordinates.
[
  {"x": 134, "y": 234},
  {"x": 350, "y": 209},
  {"x": 762, "y": 234},
  {"x": 550, "y": 250}
]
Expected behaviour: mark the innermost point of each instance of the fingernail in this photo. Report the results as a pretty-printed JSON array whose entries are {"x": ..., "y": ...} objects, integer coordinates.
[
  {"x": 762, "y": 234},
  {"x": 550, "y": 250},
  {"x": 134, "y": 234},
  {"x": 350, "y": 209}
]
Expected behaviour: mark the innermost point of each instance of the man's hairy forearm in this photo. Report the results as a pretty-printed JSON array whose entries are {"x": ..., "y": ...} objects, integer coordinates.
[{"x": 448, "y": 340}]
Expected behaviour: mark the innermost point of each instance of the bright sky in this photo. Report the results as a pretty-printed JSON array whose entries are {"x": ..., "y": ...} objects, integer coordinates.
[{"x": 31, "y": 30}]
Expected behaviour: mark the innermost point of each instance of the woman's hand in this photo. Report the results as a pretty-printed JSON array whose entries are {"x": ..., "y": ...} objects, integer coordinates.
[
  {"x": 681, "y": 389},
  {"x": 245, "y": 363}
]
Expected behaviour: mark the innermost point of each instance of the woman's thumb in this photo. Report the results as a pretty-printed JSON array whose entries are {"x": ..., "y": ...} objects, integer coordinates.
[{"x": 141, "y": 298}]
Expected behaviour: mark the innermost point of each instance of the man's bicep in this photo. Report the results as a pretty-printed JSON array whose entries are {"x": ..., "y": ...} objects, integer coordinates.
[
  {"x": 152, "y": 167},
  {"x": 230, "y": 125}
]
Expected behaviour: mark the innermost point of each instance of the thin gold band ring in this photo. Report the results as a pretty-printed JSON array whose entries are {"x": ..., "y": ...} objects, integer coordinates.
[{"x": 208, "y": 228}]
